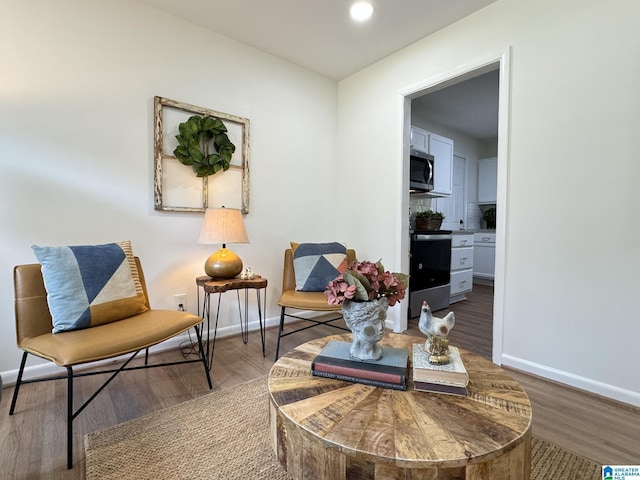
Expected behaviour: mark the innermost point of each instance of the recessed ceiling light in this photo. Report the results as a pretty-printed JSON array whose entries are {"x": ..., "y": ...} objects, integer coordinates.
[{"x": 361, "y": 11}]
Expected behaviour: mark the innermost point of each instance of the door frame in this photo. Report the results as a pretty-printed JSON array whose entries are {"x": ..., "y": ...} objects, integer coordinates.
[{"x": 497, "y": 60}]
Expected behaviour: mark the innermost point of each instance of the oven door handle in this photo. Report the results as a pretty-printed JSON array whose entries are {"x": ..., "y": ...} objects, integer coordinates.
[{"x": 418, "y": 237}]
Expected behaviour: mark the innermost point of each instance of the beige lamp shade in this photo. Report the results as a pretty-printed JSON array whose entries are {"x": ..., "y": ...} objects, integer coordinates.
[{"x": 223, "y": 225}]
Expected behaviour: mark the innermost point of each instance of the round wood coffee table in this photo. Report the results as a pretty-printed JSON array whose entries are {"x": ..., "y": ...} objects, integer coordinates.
[{"x": 331, "y": 429}]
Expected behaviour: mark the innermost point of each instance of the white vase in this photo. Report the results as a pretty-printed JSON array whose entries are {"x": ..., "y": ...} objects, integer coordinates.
[{"x": 366, "y": 322}]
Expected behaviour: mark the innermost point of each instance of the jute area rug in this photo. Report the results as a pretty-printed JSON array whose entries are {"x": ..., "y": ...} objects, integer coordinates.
[{"x": 224, "y": 435}]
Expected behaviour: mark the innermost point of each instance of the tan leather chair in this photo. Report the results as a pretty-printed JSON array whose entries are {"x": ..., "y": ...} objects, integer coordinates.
[
  {"x": 310, "y": 301},
  {"x": 69, "y": 349}
]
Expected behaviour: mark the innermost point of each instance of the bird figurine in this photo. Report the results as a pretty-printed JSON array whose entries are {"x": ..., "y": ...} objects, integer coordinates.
[{"x": 436, "y": 329}]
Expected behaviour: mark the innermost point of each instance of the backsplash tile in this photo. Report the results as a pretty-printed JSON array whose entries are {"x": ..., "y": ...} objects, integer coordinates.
[{"x": 417, "y": 204}]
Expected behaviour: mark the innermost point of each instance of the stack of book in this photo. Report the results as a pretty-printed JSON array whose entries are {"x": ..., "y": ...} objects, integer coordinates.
[
  {"x": 451, "y": 378},
  {"x": 335, "y": 361}
]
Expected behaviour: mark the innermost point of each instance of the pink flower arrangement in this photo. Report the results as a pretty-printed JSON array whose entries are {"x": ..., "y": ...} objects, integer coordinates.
[{"x": 366, "y": 281}]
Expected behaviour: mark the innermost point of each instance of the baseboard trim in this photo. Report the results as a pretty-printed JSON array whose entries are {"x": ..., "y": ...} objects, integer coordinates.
[
  {"x": 566, "y": 378},
  {"x": 483, "y": 281}
]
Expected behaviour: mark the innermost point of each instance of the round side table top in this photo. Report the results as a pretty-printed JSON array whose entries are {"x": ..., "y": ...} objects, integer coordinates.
[
  {"x": 411, "y": 429},
  {"x": 221, "y": 285}
]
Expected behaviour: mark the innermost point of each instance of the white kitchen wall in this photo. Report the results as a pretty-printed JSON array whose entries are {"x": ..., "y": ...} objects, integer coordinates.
[
  {"x": 569, "y": 306},
  {"x": 76, "y": 143}
]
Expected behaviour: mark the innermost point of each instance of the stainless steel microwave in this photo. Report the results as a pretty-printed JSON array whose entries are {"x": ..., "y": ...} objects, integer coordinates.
[{"x": 421, "y": 171}]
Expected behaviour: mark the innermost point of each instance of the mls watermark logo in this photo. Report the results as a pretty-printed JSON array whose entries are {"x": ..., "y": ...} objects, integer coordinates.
[{"x": 621, "y": 472}]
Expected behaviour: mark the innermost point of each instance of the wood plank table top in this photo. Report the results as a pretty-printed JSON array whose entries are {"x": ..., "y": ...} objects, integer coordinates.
[
  {"x": 332, "y": 429},
  {"x": 221, "y": 285}
]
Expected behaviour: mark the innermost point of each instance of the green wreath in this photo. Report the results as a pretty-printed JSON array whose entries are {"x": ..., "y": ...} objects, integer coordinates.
[{"x": 193, "y": 141}]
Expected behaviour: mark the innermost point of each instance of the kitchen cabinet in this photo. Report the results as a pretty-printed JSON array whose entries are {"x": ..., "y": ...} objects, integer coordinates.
[
  {"x": 487, "y": 180},
  {"x": 420, "y": 139},
  {"x": 442, "y": 150},
  {"x": 462, "y": 261},
  {"x": 485, "y": 256}
]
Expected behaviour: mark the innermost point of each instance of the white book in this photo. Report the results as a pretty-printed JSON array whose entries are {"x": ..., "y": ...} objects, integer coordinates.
[{"x": 452, "y": 373}]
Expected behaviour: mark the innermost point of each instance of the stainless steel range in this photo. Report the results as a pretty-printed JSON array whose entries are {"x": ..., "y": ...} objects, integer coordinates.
[{"x": 430, "y": 270}]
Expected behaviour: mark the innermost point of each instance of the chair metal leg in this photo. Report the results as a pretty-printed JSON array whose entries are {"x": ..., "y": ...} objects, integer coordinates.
[
  {"x": 18, "y": 382},
  {"x": 69, "y": 417},
  {"x": 203, "y": 355},
  {"x": 314, "y": 323},
  {"x": 280, "y": 332}
]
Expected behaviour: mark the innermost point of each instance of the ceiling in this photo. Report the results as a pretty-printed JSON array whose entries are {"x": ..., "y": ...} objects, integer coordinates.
[
  {"x": 320, "y": 36},
  {"x": 470, "y": 106}
]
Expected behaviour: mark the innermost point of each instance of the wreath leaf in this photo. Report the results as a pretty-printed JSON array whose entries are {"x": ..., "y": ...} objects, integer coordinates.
[
  {"x": 196, "y": 154},
  {"x": 226, "y": 153},
  {"x": 195, "y": 135},
  {"x": 222, "y": 139},
  {"x": 182, "y": 153},
  {"x": 214, "y": 159}
]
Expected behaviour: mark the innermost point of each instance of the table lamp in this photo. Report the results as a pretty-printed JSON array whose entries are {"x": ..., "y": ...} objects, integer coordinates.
[{"x": 223, "y": 225}]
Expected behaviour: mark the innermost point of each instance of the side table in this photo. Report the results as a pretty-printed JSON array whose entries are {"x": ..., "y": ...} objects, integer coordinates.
[{"x": 220, "y": 285}]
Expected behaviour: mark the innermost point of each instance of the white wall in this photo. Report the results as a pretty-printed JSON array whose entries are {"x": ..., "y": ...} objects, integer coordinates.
[
  {"x": 76, "y": 143},
  {"x": 572, "y": 260}
]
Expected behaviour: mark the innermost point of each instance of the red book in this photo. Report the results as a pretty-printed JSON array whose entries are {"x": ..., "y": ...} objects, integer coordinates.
[
  {"x": 359, "y": 372},
  {"x": 335, "y": 361},
  {"x": 365, "y": 381}
]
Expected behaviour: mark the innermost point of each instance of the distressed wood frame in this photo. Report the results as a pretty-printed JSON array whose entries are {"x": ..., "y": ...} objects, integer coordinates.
[{"x": 160, "y": 156}]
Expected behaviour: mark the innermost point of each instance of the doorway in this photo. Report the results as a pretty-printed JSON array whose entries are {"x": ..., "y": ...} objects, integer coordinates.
[{"x": 499, "y": 62}]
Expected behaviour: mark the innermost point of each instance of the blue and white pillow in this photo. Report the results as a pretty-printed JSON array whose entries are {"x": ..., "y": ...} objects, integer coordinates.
[
  {"x": 316, "y": 264},
  {"x": 89, "y": 285}
]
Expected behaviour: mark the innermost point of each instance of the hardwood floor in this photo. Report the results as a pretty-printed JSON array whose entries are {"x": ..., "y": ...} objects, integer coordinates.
[
  {"x": 33, "y": 445},
  {"x": 473, "y": 329}
]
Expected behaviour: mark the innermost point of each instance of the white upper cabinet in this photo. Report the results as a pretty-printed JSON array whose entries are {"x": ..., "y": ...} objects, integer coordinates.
[
  {"x": 442, "y": 150},
  {"x": 487, "y": 180},
  {"x": 420, "y": 139}
]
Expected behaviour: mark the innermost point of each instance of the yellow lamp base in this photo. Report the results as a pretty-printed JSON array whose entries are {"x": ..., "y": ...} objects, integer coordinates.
[{"x": 223, "y": 264}]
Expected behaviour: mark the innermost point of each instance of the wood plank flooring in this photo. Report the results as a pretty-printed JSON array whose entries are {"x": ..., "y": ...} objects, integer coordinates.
[
  {"x": 33, "y": 445},
  {"x": 473, "y": 329}
]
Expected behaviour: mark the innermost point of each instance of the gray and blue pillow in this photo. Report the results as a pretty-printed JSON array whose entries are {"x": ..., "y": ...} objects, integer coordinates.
[
  {"x": 89, "y": 285},
  {"x": 316, "y": 264}
]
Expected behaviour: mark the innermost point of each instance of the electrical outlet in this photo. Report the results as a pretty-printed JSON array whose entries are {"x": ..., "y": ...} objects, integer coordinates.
[{"x": 180, "y": 301}]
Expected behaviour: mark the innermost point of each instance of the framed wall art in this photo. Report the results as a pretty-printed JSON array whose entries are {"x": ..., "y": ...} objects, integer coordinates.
[{"x": 201, "y": 158}]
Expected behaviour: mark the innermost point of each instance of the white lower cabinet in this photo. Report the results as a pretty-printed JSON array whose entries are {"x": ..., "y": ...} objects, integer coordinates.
[
  {"x": 462, "y": 251},
  {"x": 485, "y": 248},
  {"x": 461, "y": 283}
]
